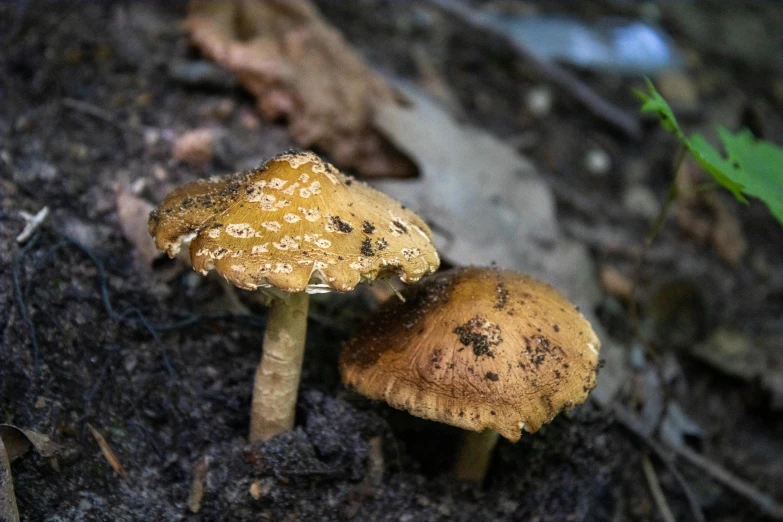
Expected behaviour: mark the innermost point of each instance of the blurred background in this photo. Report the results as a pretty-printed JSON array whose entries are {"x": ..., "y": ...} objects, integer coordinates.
[{"x": 512, "y": 128}]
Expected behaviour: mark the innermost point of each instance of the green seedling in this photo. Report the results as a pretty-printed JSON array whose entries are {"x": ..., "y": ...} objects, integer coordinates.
[{"x": 750, "y": 167}]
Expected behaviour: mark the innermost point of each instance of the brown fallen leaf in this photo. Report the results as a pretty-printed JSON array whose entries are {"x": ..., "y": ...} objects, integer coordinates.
[
  {"x": 134, "y": 213},
  {"x": 108, "y": 453},
  {"x": 18, "y": 441},
  {"x": 301, "y": 69},
  {"x": 616, "y": 283},
  {"x": 14, "y": 443},
  {"x": 8, "y": 510},
  {"x": 704, "y": 216}
]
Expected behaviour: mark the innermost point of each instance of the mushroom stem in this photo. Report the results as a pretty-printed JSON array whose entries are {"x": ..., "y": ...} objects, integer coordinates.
[
  {"x": 474, "y": 455},
  {"x": 277, "y": 376}
]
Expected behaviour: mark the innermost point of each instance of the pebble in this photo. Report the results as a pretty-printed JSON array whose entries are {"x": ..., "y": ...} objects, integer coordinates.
[
  {"x": 640, "y": 200},
  {"x": 195, "y": 147},
  {"x": 539, "y": 101},
  {"x": 597, "y": 162}
]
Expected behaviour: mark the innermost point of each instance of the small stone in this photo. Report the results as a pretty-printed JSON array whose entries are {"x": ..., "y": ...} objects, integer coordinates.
[
  {"x": 637, "y": 357},
  {"x": 151, "y": 137},
  {"x": 130, "y": 363},
  {"x": 616, "y": 283},
  {"x": 598, "y": 162},
  {"x": 640, "y": 200},
  {"x": 249, "y": 119},
  {"x": 539, "y": 101},
  {"x": 159, "y": 173},
  {"x": 195, "y": 147}
]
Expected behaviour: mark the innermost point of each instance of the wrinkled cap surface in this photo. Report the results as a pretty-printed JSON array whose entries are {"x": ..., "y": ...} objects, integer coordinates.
[
  {"x": 476, "y": 348},
  {"x": 296, "y": 224}
]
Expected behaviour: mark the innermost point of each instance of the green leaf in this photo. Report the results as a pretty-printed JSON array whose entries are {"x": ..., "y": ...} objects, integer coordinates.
[
  {"x": 654, "y": 103},
  {"x": 713, "y": 162},
  {"x": 751, "y": 167},
  {"x": 759, "y": 167}
]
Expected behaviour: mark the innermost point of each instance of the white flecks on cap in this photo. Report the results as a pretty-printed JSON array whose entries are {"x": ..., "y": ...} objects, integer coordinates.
[
  {"x": 310, "y": 214},
  {"x": 276, "y": 183},
  {"x": 286, "y": 243},
  {"x": 283, "y": 268},
  {"x": 272, "y": 226},
  {"x": 241, "y": 230},
  {"x": 291, "y": 188}
]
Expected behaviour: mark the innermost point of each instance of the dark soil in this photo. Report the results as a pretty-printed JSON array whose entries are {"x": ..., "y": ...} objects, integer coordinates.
[{"x": 151, "y": 360}]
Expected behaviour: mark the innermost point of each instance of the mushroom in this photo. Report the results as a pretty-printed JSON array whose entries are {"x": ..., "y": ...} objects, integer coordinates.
[
  {"x": 292, "y": 227},
  {"x": 487, "y": 350}
]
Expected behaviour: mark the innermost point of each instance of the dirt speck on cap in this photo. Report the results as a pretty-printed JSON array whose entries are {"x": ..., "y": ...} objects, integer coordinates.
[
  {"x": 368, "y": 228},
  {"x": 481, "y": 334}
]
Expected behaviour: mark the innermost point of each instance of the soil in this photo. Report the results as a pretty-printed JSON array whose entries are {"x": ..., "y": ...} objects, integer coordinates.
[{"x": 92, "y": 100}]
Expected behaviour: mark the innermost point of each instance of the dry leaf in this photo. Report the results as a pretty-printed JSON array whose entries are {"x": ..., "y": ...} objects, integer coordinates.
[
  {"x": 15, "y": 442},
  {"x": 616, "y": 283},
  {"x": 134, "y": 213},
  {"x": 704, "y": 216},
  {"x": 18, "y": 442},
  {"x": 8, "y": 510},
  {"x": 484, "y": 202},
  {"x": 299, "y": 68},
  {"x": 108, "y": 453}
]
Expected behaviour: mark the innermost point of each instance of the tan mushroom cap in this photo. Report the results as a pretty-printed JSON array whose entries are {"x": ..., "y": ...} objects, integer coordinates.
[
  {"x": 297, "y": 224},
  {"x": 476, "y": 348}
]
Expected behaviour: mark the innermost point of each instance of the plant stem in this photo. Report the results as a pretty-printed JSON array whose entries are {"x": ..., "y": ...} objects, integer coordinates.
[
  {"x": 652, "y": 233},
  {"x": 277, "y": 376},
  {"x": 670, "y": 199},
  {"x": 474, "y": 455}
]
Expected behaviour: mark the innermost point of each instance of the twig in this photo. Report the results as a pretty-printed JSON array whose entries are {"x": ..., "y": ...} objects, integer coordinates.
[
  {"x": 32, "y": 222},
  {"x": 690, "y": 495},
  {"x": 197, "y": 489},
  {"x": 98, "y": 113},
  {"x": 767, "y": 504},
  {"x": 594, "y": 102},
  {"x": 764, "y": 502},
  {"x": 108, "y": 453},
  {"x": 655, "y": 489}
]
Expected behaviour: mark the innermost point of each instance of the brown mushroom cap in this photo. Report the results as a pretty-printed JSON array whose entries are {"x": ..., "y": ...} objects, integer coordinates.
[
  {"x": 476, "y": 348},
  {"x": 297, "y": 224}
]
